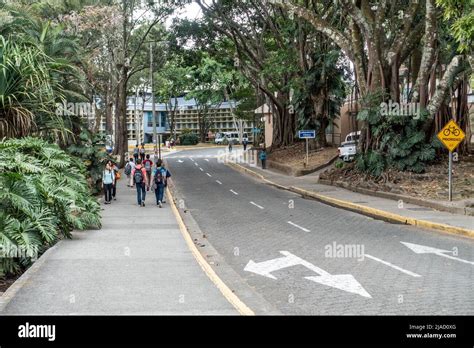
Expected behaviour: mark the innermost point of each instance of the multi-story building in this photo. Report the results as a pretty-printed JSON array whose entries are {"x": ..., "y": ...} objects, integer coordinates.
[{"x": 140, "y": 122}]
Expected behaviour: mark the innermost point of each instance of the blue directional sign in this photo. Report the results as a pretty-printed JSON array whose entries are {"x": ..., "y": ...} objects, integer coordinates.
[
  {"x": 307, "y": 134},
  {"x": 257, "y": 130}
]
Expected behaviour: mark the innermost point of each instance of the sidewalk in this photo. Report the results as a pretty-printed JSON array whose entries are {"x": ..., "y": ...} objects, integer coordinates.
[
  {"x": 137, "y": 264},
  {"x": 377, "y": 207}
]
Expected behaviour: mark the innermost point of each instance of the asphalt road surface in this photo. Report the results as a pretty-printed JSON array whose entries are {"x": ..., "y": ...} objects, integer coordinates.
[{"x": 305, "y": 257}]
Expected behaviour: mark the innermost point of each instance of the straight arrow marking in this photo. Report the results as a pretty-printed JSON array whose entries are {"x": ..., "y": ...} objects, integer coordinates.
[
  {"x": 393, "y": 266},
  {"x": 422, "y": 249}
]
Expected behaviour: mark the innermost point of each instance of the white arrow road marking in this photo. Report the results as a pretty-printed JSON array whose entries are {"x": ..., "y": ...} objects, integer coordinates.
[
  {"x": 297, "y": 226},
  {"x": 392, "y": 265},
  {"x": 258, "y": 206},
  {"x": 235, "y": 193},
  {"x": 345, "y": 282},
  {"x": 422, "y": 249},
  {"x": 209, "y": 175},
  {"x": 218, "y": 182}
]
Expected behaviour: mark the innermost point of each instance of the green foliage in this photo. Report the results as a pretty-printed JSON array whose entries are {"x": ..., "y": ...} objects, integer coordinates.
[
  {"x": 397, "y": 141},
  {"x": 460, "y": 16},
  {"x": 339, "y": 164},
  {"x": 188, "y": 139},
  {"x": 90, "y": 149},
  {"x": 43, "y": 196}
]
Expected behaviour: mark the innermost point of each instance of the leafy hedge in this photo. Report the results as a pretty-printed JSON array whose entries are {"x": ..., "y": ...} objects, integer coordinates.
[
  {"x": 188, "y": 139},
  {"x": 44, "y": 195}
]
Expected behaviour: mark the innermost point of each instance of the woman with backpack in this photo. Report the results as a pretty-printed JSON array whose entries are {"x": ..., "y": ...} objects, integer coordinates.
[
  {"x": 108, "y": 182},
  {"x": 159, "y": 182},
  {"x": 148, "y": 164},
  {"x": 116, "y": 171}
]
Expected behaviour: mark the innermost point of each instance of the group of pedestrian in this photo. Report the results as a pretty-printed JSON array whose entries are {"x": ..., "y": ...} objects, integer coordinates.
[{"x": 142, "y": 173}]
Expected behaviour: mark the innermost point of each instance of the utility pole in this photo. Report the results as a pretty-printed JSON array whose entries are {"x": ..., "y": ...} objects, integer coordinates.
[{"x": 153, "y": 118}]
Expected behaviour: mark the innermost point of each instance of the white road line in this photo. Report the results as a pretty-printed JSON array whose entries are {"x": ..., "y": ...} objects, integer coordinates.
[
  {"x": 197, "y": 165},
  {"x": 218, "y": 182},
  {"x": 235, "y": 193},
  {"x": 191, "y": 159},
  {"x": 201, "y": 169},
  {"x": 393, "y": 266},
  {"x": 209, "y": 175},
  {"x": 206, "y": 160},
  {"x": 258, "y": 206},
  {"x": 297, "y": 226}
]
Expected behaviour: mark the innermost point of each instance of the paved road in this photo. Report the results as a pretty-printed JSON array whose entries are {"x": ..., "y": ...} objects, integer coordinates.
[
  {"x": 334, "y": 261},
  {"x": 137, "y": 264}
]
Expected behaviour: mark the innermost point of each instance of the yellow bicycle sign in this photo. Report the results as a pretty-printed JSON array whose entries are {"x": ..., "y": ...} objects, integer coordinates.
[{"x": 451, "y": 135}]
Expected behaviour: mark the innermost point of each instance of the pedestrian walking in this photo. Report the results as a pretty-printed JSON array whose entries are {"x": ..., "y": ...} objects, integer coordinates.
[
  {"x": 136, "y": 153},
  {"x": 108, "y": 182},
  {"x": 117, "y": 177},
  {"x": 148, "y": 164},
  {"x": 142, "y": 153},
  {"x": 159, "y": 180},
  {"x": 263, "y": 158},
  {"x": 140, "y": 179},
  {"x": 245, "y": 144},
  {"x": 167, "y": 176},
  {"x": 230, "y": 146},
  {"x": 128, "y": 171},
  {"x": 156, "y": 157}
]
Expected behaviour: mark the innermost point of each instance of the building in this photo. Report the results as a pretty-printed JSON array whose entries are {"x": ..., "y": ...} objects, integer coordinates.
[{"x": 140, "y": 121}]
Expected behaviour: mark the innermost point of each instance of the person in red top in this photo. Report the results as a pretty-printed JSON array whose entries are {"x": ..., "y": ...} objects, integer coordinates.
[
  {"x": 141, "y": 182},
  {"x": 148, "y": 164}
]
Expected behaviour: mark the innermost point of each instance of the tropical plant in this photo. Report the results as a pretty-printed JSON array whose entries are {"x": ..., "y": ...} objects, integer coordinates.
[{"x": 43, "y": 196}]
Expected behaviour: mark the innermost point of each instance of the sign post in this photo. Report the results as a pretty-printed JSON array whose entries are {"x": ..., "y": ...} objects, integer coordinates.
[
  {"x": 451, "y": 136},
  {"x": 307, "y": 134}
]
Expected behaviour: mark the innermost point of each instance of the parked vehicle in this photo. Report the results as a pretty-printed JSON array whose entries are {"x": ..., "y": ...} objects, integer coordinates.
[
  {"x": 232, "y": 137},
  {"x": 348, "y": 148}
]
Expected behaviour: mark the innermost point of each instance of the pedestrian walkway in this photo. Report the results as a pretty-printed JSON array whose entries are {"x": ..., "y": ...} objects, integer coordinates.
[
  {"x": 370, "y": 205},
  {"x": 137, "y": 264}
]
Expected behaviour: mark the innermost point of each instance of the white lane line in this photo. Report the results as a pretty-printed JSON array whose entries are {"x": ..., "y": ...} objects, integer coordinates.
[
  {"x": 297, "y": 226},
  {"x": 192, "y": 159},
  {"x": 197, "y": 165},
  {"x": 235, "y": 193},
  {"x": 179, "y": 161},
  {"x": 201, "y": 169},
  {"x": 209, "y": 175},
  {"x": 393, "y": 266},
  {"x": 258, "y": 206},
  {"x": 218, "y": 182},
  {"x": 206, "y": 160}
]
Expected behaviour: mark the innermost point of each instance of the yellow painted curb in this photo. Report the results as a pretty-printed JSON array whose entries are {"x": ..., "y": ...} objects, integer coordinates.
[
  {"x": 367, "y": 210},
  {"x": 241, "y": 307}
]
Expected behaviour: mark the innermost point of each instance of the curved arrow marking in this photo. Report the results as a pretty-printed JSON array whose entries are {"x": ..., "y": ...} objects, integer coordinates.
[
  {"x": 422, "y": 249},
  {"x": 345, "y": 282}
]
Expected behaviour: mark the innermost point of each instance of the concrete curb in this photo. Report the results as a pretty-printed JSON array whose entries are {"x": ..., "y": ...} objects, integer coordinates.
[
  {"x": 372, "y": 212},
  {"x": 10, "y": 293},
  {"x": 413, "y": 200},
  {"x": 226, "y": 279},
  {"x": 287, "y": 170}
]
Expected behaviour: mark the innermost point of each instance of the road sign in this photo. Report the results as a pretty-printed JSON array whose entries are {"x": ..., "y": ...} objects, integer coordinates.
[
  {"x": 344, "y": 282},
  {"x": 451, "y": 135},
  {"x": 307, "y": 134},
  {"x": 257, "y": 130}
]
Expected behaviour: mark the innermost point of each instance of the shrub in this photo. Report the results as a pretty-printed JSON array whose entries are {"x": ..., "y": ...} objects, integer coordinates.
[
  {"x": 43, "y": 196},
  {"x": 188, "y": 139}
]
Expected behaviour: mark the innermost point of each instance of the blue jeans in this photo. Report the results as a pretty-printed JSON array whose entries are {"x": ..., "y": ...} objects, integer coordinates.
[
  {"x": 160, "y": 190},
  {"x": 141, "y": 193}
]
